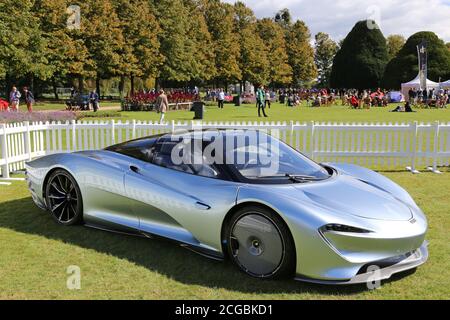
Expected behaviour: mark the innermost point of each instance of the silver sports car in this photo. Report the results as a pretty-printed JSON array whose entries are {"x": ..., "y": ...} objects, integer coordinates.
[{"x": 244, "y": 195}]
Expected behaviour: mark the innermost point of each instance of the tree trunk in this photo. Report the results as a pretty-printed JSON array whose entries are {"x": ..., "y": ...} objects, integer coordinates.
[
  {"x": 32, "y": 83},
  {"x": 121, "y": 87},
  {"x": 97, "y": 85},
  {"x": 80, "y": 84},
  {"x": 132, "y": 84},
  {"x": 55, "y": 89}
]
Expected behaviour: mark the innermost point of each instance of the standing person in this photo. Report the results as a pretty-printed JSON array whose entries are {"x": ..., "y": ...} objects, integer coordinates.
[
  {"x": 425, "y": 96},
  {"x": 260, "y": 97},
  {"x": 221, "y": 98},
  {"x": 162, "y": 104},
  {"x": 267, "y": 100},
  {"x": 14, "y": 99},
  {"x": 29, "y": 99},
  {"x": 94, "y": 99}
]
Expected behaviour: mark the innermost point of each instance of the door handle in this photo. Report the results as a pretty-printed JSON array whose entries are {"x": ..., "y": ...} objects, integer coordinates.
[
  {"x": 134, "y": 169},
  {"x": 202, "y": 206}
]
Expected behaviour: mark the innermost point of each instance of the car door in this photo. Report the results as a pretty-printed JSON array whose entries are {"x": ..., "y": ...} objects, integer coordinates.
[
  {"x": 173, "y": 201},
  {"x": 106, "y": 202}
]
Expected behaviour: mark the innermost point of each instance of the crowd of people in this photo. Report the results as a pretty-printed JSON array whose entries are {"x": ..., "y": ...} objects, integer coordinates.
[
  {"x": 437, "y": 98},
  {"x": 263, "y": 97},
  {"x": 353, "y": 98},
  {"x": 15, "y": 98},
  {"x": 174, "y": 96}
]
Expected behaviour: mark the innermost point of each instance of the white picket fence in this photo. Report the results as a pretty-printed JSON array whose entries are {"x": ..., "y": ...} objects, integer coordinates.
[{"x": 376, "y": 145}]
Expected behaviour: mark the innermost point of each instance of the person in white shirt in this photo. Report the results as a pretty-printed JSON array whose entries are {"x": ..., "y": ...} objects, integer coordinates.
[
  {"x": 221, "y": 98},
  {"x": 267, "y": 100},
  {"x": 14, "y": 99}
]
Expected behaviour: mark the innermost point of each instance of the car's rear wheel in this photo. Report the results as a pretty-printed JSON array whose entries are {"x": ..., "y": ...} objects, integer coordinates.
[
  {"x": 63, "y": 197},
  {"x": 259, "y": 243}
]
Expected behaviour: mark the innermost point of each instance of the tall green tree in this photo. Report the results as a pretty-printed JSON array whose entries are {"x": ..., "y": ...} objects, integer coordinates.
[
  {"x": 324, "y": 54},
  {"x": 140, "y": 54},
  {"x": 404, "y": 66},
  {"x": 22, "y": 44},
  {"x": 66, "y": 55},
  {"x": 176, "y": 43},
  {"x": 203, "y": 66},
  {"x": 100, "y": 31},
  {"x": 394, "y": 44},
  {"x": 272, "y": 34},
  {"x": 253, "y": 60},
  {"x": 361, "y": 60},
  {"x": 220, "y": 20},
  {"x": 448, "y": 45},
  {"x": 300, "y": 54}
]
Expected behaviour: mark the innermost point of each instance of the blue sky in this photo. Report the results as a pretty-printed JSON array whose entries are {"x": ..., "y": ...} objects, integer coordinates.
[{"x": 337, "y": 17}]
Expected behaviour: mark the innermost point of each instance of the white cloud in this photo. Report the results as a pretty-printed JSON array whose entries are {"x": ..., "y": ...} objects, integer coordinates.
[{"x": 337, "y": 17}]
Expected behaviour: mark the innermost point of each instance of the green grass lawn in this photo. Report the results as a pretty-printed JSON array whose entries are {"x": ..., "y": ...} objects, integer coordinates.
[
  {"x": 280, "y": 112},
  {"x": 35, "y": 253}
]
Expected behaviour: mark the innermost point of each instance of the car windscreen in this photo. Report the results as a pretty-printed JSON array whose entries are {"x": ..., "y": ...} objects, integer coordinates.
[
  {"x": 252, "y": 153},
  {"x": 264, "y": 157}
]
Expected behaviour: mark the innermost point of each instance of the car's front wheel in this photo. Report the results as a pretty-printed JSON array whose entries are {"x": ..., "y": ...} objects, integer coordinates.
[
  {"x": 259, "y": 243},
  {"x": 63, "y": 197}
]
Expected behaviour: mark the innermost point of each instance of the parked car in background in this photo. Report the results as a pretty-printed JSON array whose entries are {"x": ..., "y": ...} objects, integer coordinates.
[{"x": 78, "y": 102}]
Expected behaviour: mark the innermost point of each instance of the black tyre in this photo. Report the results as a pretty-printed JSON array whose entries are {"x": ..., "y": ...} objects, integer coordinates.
[
  {"x": 258, "y": 241},
  {"x": 63, "y": 198}
]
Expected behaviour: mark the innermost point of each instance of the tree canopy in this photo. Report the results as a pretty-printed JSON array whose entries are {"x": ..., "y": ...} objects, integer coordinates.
[
  {"x": 325, "y": 51},
  {"x": 280, "y": 72},
  {"x": 362, "y": 58},
  {"x": 23, "y": 45},
  {"x": 404, "y": 67},
  {"x": 394, "y": 44},
  {"x": 220, "y": 20},
  {"x": 178, "y": 43},
  {"x": 300, "y": 54},
  {"x": 253, "y": 61}
]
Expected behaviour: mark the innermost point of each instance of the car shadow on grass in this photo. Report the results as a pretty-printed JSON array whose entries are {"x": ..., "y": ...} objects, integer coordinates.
[{"x": 164, "y": 257}]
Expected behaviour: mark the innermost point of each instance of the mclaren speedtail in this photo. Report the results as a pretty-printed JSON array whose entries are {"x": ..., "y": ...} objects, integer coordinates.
[{"x": 242, "y": 195}]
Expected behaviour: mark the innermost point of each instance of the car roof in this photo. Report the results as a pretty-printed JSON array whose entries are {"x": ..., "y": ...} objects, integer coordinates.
[{"x": 206, "y": 134}]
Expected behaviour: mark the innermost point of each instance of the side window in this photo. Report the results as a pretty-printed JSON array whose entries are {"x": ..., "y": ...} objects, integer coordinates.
[
  {"x": 141, "y": 149},
  {"x": 143, "y": 153},
  {"x": 163, "y": 157}
]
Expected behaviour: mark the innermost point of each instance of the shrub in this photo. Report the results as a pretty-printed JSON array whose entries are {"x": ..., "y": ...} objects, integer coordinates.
[
  {"x": 99, "y": 114},
  {"x": 12, "y": 117}
]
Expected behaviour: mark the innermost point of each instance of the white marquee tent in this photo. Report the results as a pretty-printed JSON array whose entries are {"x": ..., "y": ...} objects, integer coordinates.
[
  {"x": 445, "y": 85},
  {"x": 416, "y": 84}
]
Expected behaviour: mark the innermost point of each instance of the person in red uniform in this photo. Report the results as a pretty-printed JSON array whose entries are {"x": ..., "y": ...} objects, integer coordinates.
[{"x": 354, "y": 102}]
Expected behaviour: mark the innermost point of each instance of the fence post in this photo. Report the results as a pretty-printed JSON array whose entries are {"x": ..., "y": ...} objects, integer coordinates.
[
  {"x": 311, "y": 141},
  {"x": 27, "y": 141},
  {"x": 133, "y": 129},
  {"x": 5, "y": 167},
  {"x": 172, "y": 126},
  {"x": 414, "y": 147},
  {"x": 435, "y": 147},
  {"x": 74, "y": 136},
  {"x": 113, "y": 132}
]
